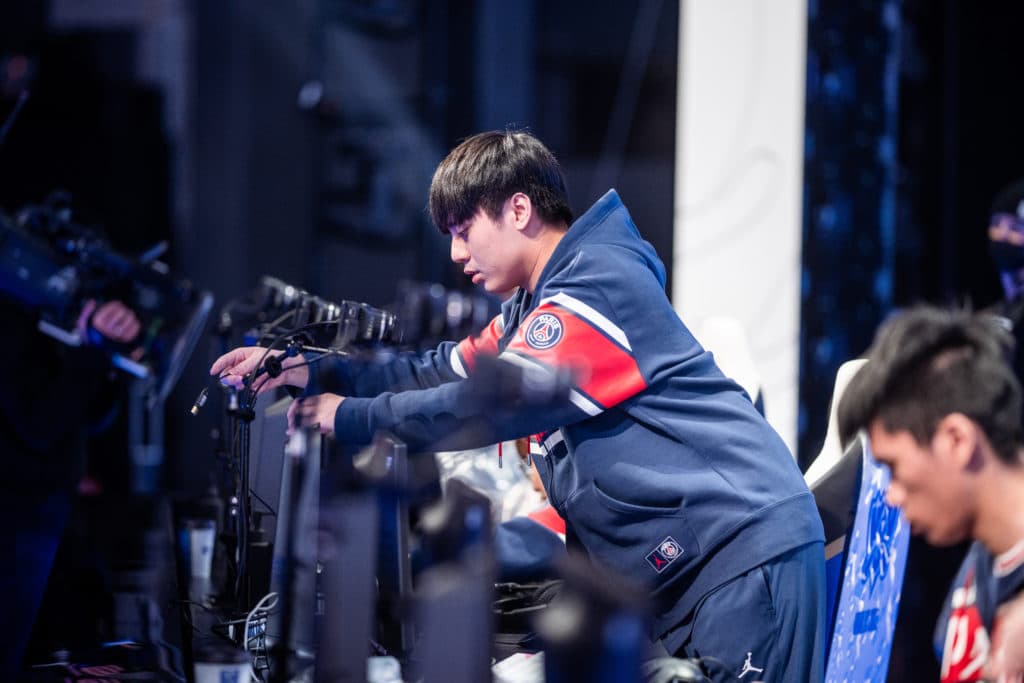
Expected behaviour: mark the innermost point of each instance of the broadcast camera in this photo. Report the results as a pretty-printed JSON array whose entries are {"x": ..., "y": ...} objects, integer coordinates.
[
  {"x": 275, "y": 310},
  {"x": 51, "y": 266}
]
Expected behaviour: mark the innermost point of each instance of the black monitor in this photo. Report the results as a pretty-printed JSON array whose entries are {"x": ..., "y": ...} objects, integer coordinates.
[
  {"x": 385, "y": 466},
  {"x": 267, "y": 440},
  {"x": 293, "y": 574}
]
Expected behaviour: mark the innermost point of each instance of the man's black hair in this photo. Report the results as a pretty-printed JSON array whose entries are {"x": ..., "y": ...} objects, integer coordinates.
[
  {"x": 927, "y": 363},
  {"x": 486, "y": 169}
]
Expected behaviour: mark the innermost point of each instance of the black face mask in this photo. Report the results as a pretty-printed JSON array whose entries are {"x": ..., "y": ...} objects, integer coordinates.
[{"x": 1007, "y": 257}]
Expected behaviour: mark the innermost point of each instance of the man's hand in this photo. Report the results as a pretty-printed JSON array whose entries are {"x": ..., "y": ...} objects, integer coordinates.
[
  {"x": 315, "y": 411},
  {"x": 113, "y": 320},
  {"x": 235, "y": 365}
]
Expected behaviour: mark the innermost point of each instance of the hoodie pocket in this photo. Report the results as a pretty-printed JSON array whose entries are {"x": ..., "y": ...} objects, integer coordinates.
[{"x": 647, "y": 543}]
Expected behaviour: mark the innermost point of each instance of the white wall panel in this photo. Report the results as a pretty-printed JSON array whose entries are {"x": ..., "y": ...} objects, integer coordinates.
[{"x": 739, "y": 163}]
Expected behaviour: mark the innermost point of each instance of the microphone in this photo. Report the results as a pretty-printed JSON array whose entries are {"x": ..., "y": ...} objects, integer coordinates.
[
  {"x": 200, "y": 401},
  {"x": 272, "y": 366}
]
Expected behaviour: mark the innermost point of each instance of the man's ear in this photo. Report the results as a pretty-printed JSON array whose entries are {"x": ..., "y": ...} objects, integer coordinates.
[
  {"x": 522, "y": 210},
  {"x": 960, "y": 438}
]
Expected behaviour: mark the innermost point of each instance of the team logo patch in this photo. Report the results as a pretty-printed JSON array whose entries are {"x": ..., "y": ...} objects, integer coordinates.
[
  {"x": 664, "y": 555},
  {"x": 544, "y": 332}
]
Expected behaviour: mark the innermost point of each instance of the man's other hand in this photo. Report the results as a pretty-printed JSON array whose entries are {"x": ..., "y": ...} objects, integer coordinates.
[{"x": 315, "y": 411}]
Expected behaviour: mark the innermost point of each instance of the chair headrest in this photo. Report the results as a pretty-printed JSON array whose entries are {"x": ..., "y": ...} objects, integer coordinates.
[
  {"x": 836, "y": 491},
  {"x": 832, "y": 450}
]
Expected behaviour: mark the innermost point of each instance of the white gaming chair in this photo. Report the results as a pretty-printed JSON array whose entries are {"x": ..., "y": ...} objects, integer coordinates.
[
  {"x": 866, "y": 544},
  {"x": 832, "y": 450}
]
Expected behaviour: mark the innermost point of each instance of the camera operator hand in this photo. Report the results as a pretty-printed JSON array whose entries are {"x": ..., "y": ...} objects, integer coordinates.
[
  {"x": 316, "y": 411},
  {"x": 235, "y": 365},
  {"x": 113, "y": 320}
]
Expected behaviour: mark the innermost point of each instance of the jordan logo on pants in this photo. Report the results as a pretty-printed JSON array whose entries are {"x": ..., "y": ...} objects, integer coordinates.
[{"x": 748, "y": 667}]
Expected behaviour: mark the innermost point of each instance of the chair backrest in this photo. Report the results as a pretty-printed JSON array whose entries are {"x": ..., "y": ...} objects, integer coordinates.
[
  {"x": 836, "y": 494},
  {"x": 864, "y": 614},
  {"x": 832, "y": 449}
]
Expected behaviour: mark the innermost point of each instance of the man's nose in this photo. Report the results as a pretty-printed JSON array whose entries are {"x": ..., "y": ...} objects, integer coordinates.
[
  {"x": 459, "y": 253},
  {"x": 894, "y": 495}
]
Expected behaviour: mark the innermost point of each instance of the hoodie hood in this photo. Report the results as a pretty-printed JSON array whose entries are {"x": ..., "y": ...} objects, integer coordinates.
[{"x": 595, "y": 228}]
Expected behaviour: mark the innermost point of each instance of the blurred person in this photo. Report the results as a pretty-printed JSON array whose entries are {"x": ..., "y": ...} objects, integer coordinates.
[
  {"x": 661, "y": 467},
  {"x": 507, "y": 482},
  {"x": 1006, "y": 247},
  {"x": 942, "y": 406},
  {"x": 49, "y": 395},
  {"x": 1006, "y": 239}
]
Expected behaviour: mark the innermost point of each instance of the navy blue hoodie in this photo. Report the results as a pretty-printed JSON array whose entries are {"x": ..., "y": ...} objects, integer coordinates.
[{"x": 661, "y": 466}]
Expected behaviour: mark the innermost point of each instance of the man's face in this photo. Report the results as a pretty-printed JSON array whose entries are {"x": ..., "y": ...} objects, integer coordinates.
[
  {"x": 491, "y": 252},
  {"x": 926, "y": 484},
  {"x": 1004, "y": 227}
]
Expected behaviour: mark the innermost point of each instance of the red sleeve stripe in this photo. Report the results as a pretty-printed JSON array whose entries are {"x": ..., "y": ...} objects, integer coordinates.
[
  {"x": 486, "y": 342},
  {"x": 605, "y": 371},
  {"x": 591, "y": 315},
  {"x": 548, "y": 518},
  {"x": 575, "y": 397}
]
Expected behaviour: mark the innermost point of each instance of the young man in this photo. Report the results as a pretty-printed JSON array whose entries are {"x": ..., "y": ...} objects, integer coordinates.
[
  {"x": 942, "y": 408},
  {"x": 662, "y": 468}
]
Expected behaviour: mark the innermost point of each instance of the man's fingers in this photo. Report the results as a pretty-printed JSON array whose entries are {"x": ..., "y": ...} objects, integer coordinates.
[
  {"x": 119, "y": 317},
  {"x": 113, "y": 320},
  {"x": 299, "y": 413},
  {"x": 235, "y": 368},
  {"x": 126, "y": 331},
  {"x": 292, "y": 413},
  {"x": 114, "y": 313},
  {"x": 264, "y": 383},
  {"x": 224, "y": 362},
  {"x": 306, "y": 409},
  {"x": 133, "y": 330},
  {"x": 241, "y": 361},
  {"x": 231, "y": 359}
]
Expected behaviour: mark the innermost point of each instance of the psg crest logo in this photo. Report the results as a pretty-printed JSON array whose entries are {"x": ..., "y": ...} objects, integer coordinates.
[
  {"x": 669, "y": 549},
  {"x": 667, "y": 552},
  {"x": 544, "y": 332}
]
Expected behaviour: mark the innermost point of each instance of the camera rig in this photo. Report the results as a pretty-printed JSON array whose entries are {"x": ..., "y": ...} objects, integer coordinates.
[{"x": 51, "y": 266}]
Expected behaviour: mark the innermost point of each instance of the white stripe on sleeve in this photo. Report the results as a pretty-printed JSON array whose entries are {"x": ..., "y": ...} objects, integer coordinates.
[{"x": 592, "y": 315}]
